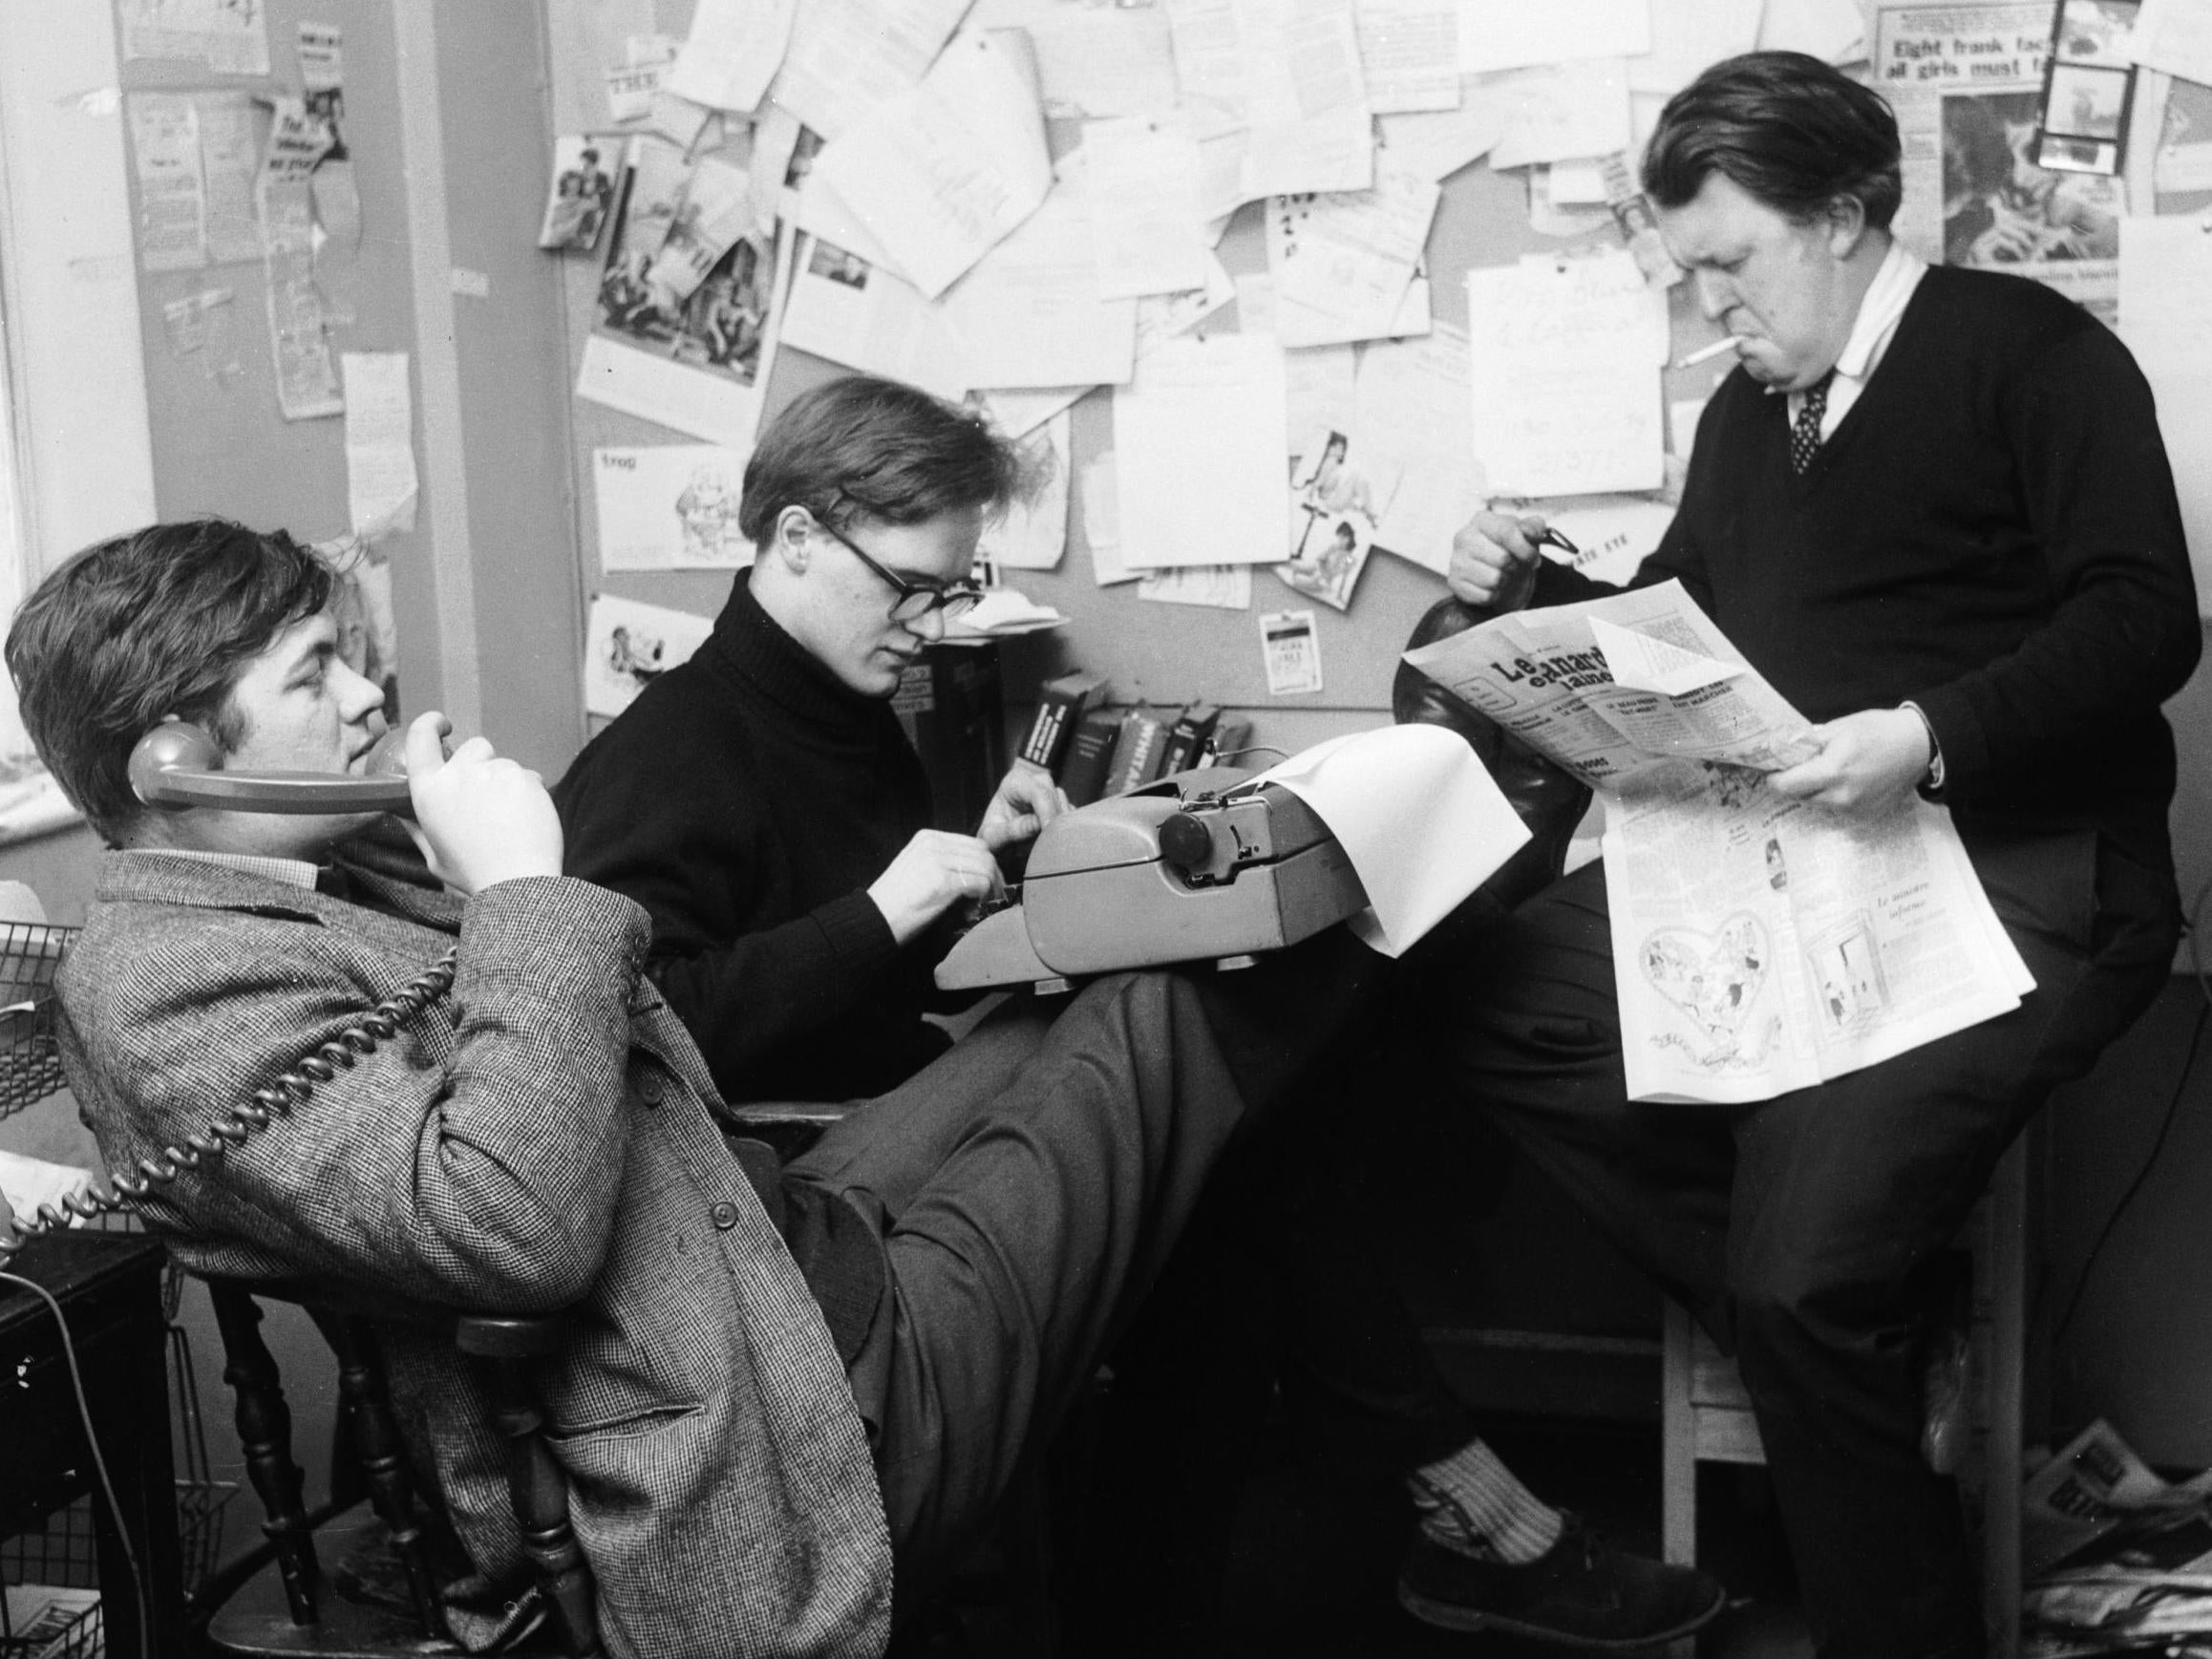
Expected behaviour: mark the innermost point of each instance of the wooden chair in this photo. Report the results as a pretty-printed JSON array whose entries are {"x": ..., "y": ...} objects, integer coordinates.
[{"x": 359, "y": 1584}]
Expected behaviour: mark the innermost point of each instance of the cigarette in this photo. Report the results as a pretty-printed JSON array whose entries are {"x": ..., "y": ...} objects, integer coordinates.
[{"x": 1706, "y": 353}]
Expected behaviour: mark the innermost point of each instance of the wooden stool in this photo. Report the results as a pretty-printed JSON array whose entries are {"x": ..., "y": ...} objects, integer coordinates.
[{"x": 1706, "y": 1415}]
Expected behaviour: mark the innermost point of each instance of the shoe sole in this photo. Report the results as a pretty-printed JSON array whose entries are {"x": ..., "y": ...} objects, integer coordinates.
[{"x": 1448, "y": 1616}]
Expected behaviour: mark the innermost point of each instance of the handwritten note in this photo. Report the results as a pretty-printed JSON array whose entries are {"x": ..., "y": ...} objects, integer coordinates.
[
  {"x": 943, "y": 173},
  {"x": 1564, "y": 359}
]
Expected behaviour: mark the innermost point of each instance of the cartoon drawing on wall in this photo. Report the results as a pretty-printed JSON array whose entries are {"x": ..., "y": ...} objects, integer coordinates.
[
  {"x": 707, "y": 512},
  {"x": 1715, "y": 981},
  {"x": 669, "y": 507},
  {"x": 1845, "y": 965},
  {"x": 628, "y": 645}
]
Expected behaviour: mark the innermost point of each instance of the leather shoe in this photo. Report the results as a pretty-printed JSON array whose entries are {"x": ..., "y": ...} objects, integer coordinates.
[{"x": 1581, "y": 1593}]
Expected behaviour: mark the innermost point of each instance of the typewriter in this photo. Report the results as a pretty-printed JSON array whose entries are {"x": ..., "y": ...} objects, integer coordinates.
[{"x": 1201, "y": 866}]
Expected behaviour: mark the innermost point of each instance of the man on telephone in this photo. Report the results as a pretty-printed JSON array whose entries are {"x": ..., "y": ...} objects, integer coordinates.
[{"x": 784, "y": 1386}]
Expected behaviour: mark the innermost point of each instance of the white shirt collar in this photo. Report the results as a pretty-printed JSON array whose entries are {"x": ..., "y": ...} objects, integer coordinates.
[
  {"x": 291, "y": 872},
  {"x": 1879, "y": 313},
  {"x": 1879, "y": 309}
]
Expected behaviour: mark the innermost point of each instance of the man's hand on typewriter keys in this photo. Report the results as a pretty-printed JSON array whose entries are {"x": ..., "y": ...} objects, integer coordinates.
[{"x": 934, "y": 871}]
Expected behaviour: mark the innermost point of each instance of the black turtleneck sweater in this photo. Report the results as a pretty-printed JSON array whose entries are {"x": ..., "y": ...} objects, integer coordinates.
[{"x": 745, "y": 799}]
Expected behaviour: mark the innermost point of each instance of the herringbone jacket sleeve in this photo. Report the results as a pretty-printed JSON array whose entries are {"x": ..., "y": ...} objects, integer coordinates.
[{"x": 472, "y": 1159}]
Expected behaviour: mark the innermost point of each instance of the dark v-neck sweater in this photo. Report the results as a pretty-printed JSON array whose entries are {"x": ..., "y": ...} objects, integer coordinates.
[
  {"x": 745, "y": 799},
  {"x": 1990, "y": 531}
]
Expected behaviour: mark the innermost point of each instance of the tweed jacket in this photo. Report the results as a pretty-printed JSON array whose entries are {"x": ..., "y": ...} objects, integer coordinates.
[{"x": 543, "y": 1138}]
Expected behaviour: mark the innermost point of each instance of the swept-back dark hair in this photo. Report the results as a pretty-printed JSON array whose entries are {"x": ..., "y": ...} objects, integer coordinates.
[
  {"x": 864, "y": 446},
  {"x": 156, "y": 622},
  {"x": 1787, "y": 129}
]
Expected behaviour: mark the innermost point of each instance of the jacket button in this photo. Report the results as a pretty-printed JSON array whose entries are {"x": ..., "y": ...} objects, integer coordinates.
[
  {"x": 651, "y": 1089},
  {"x": 725, "y": 1216}
]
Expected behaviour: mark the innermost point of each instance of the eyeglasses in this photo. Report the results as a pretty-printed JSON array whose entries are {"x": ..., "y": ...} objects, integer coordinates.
[{"x": 915, "y": 600}]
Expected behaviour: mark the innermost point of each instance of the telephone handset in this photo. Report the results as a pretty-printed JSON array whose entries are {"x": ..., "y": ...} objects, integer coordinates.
[
  {"x": 178, "y": 765},
  {"x": 242, "y": 1121}
]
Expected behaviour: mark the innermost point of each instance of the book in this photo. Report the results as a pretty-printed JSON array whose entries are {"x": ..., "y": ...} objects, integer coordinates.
[
  {"x": 1136, "y": 749},
  {"x": 1061, "y": 702},
  {"x": 1187, "y": 736},
  {"x": 955, "y": 714},
  {"x": 1090, "y": 754},
  {"x": 1228, "y": 741}
]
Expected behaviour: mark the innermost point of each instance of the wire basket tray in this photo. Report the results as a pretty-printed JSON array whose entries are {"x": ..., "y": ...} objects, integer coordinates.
[
  {"x": 49, "y": 1621},
  {"x": 65, "y": 1550},
  {"x": 29, "y": 1063}
]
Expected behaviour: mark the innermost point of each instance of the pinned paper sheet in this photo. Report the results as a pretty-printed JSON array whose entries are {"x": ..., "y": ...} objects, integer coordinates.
[
  {"x": 734, "y": 50},
  {"x": 1033, "y": 533},
  {"x": 1642, "y": 662},
  {"x": 848, "y": 56},
  {"x": 1564, "y": 359},
  {"x": 380, "y": 480},
  {"x": 1514, "y": 35},
  {"x": 1201, "y": 438},
  {"x": 1409, "y": 51},
  {"x": 1341, "y": 262},
  {"x": 1418, "y": 817},
  {"x": 866, "y": 317},
  {"x": 1098, "y": 61},
  {"x": 669, "y": 507},
  {"x": 1032, "y": 313},
  {"x": 1412, "y": 422},
  {"x": 945, "y": 172}
]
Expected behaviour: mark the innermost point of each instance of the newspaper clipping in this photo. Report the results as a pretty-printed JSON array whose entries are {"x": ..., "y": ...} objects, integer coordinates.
[
  {"x": 1760, "y": 944},
  {"x": 1967, "y": 83},
  {"x": 2118, "y": 1558}
]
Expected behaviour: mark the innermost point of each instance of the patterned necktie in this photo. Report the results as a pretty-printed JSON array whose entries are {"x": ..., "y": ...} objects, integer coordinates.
[{"x": 1805, "y": 435}]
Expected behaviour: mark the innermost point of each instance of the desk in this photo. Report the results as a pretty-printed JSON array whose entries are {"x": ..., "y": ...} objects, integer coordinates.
[{"x": 108, "y": 1285}]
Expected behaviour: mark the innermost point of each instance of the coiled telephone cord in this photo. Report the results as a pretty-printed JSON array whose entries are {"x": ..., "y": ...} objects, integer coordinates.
[{"x": 241, "y": 1122}]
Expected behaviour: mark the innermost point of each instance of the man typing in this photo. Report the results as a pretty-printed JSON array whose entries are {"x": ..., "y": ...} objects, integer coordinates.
[{"x": 762, "y": 804}]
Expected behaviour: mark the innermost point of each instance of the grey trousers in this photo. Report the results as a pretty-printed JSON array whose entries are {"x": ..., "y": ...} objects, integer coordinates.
[{"x": 1035, "y": 1179}]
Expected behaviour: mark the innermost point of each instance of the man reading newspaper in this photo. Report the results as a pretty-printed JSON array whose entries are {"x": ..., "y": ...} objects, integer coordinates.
[{"x": 1931, "y": 506}]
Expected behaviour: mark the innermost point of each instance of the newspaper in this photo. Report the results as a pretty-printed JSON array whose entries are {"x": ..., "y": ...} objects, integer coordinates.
[
  {"x": 2118, "y": 1558},
  {"x": 1967, "y": 83},
  {"x": 1680, "y": 692},
  {"x": 1760, "y": 944}
]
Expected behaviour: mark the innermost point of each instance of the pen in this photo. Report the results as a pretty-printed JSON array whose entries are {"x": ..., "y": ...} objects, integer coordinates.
[
  {"x": 1557, "y": 539},
  {"x": 1706, "y": 353}
]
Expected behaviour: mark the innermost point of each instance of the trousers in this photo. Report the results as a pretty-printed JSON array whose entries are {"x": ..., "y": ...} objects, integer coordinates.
[
  {"x": 1035, "y": 1179},
  {"x": 1799, "y": 1230}
]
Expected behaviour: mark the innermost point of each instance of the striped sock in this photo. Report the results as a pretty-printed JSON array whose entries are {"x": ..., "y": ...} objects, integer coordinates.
[{"x": 1472, "y": 1503}]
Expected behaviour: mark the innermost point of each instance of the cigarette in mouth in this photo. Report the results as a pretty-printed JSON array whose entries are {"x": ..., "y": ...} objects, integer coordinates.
[{"x": 1706, "y": 355}]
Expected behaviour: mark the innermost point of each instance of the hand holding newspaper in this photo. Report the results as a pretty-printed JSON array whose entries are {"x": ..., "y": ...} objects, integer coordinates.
[{"x": 1760, "y": 944}]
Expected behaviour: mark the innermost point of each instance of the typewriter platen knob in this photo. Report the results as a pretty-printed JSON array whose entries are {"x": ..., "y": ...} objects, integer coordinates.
[{"x": 1185, "y": 843}]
